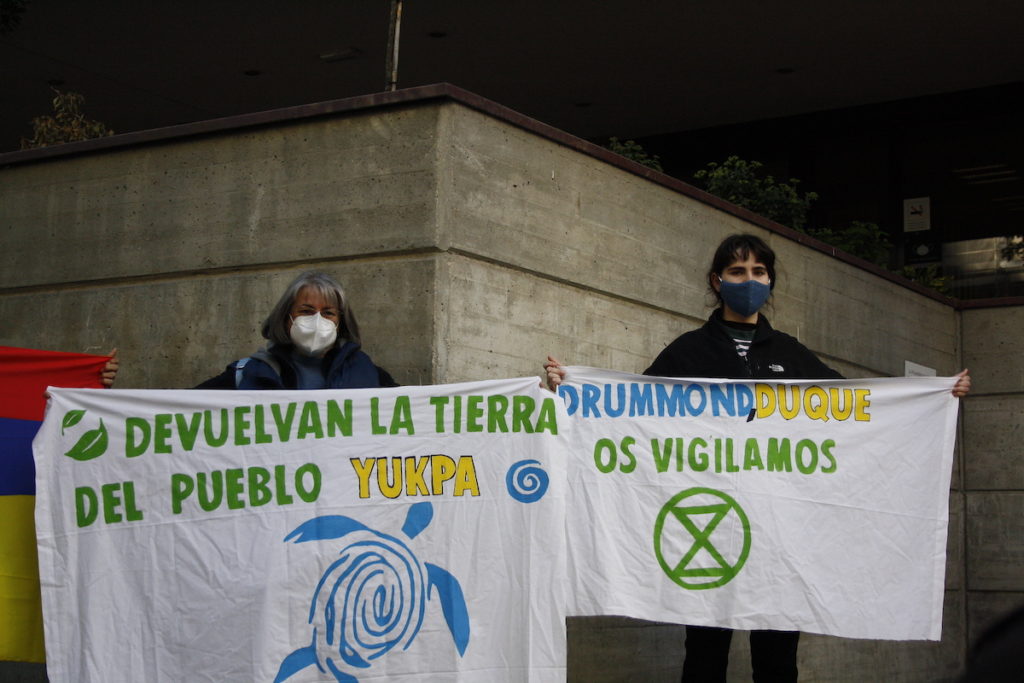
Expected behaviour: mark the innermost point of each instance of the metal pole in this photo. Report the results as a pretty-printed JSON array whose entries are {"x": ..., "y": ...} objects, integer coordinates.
[{"x": 394, "y": 29}]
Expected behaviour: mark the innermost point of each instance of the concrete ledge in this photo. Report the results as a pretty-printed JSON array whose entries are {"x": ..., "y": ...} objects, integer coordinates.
[{"x": 427, "y": 94}]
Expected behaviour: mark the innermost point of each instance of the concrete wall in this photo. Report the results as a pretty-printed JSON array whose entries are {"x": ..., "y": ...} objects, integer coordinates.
[
  {"x": 992, "y": 468},
  {"x": 471, "y": 247},
  {"x": 175, "y": 252}
]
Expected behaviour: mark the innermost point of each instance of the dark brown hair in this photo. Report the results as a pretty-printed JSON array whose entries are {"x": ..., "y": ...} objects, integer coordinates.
[{"x": 737, "y": 248}]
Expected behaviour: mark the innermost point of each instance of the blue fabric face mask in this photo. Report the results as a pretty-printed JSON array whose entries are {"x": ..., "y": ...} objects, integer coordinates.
[{"x": 744, "y": 298}]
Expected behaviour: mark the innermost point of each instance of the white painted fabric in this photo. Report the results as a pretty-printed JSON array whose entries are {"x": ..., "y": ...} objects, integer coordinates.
[
  {"x": 443, "y": 533},
  {"x": 794, "y": 505},
  {"x": 396, "y": 534}
]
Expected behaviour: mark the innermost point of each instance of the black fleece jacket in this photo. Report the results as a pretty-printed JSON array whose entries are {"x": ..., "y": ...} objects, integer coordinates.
[{"x": 710, "y": 352}]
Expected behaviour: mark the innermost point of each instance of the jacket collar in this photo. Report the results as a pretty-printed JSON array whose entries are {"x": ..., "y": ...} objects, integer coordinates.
[
  {"x": 278, "y": 355},
  {"x": 763, "y": 330}
]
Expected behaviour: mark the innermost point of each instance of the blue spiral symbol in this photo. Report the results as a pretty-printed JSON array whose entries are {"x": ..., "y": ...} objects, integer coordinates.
[
  {"x": 527, "y": 481},
  {"x": 368, "y": 602}
]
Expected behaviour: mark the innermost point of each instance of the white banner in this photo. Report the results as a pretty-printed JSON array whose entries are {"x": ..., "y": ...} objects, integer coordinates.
[
  {"x": 793, "y": 505},
  {"x": 396, "y": 534},
  {"x": 444, "y": 532}
]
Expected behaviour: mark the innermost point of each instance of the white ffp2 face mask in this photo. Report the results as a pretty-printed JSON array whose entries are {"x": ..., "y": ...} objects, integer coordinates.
[{"x": 313, "y": 334}]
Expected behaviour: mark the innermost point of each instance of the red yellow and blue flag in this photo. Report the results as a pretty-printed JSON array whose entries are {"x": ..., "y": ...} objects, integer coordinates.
[{"x": 24, "y": 376}]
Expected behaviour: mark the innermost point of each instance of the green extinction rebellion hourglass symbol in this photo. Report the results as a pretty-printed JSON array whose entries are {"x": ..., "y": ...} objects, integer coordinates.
[{"x": 701, "y": 538}]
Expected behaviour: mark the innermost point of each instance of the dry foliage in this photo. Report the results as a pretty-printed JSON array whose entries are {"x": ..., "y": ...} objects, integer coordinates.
[{"x": 67, "y": 124}]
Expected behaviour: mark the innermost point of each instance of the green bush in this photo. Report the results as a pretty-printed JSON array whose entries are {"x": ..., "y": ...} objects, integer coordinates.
[
  {"x": 860, "y": 238},
  {"x": 633, "y": 151},
  {"x": 929, "y": 276},
  {"x": 744, "y": 184}
]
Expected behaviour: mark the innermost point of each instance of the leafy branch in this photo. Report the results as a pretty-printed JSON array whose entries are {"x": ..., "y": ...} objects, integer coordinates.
[
  {"x": 633, "y": 151},
  {"x": 744, "y": 184},
  {"x": 10, "y": 14},
  {"x": 67, "y": 124}
]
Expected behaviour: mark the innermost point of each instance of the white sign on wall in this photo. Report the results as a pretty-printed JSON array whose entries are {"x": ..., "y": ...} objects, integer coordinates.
[{"x": 917, "y": 214}]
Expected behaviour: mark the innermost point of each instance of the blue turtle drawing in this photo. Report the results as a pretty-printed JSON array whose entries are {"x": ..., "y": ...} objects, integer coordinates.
[{"x": 373, "y": 597}]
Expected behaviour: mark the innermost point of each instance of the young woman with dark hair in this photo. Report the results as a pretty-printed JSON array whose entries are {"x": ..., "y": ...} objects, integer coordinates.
[{"x": 738, "y": 342}]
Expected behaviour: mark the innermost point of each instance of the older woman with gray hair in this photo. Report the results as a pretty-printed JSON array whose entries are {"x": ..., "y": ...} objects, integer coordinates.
[{"x": 313, "y": 344}]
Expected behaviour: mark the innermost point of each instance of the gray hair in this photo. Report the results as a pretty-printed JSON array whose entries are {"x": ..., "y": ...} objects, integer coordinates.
[{"x": 275, "y": 327}]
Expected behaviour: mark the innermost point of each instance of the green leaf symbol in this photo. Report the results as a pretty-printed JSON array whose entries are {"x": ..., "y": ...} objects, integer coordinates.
[
  {"x": 93, "y": 444},
  {"x": 71, "y": 419}
]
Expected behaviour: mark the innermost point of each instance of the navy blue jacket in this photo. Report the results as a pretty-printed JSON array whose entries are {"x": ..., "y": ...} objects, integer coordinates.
[{"x": 346, "y": 367}]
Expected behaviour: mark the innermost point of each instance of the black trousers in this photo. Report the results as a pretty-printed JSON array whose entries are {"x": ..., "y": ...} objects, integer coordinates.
[{"x": 772, "y": 655}]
